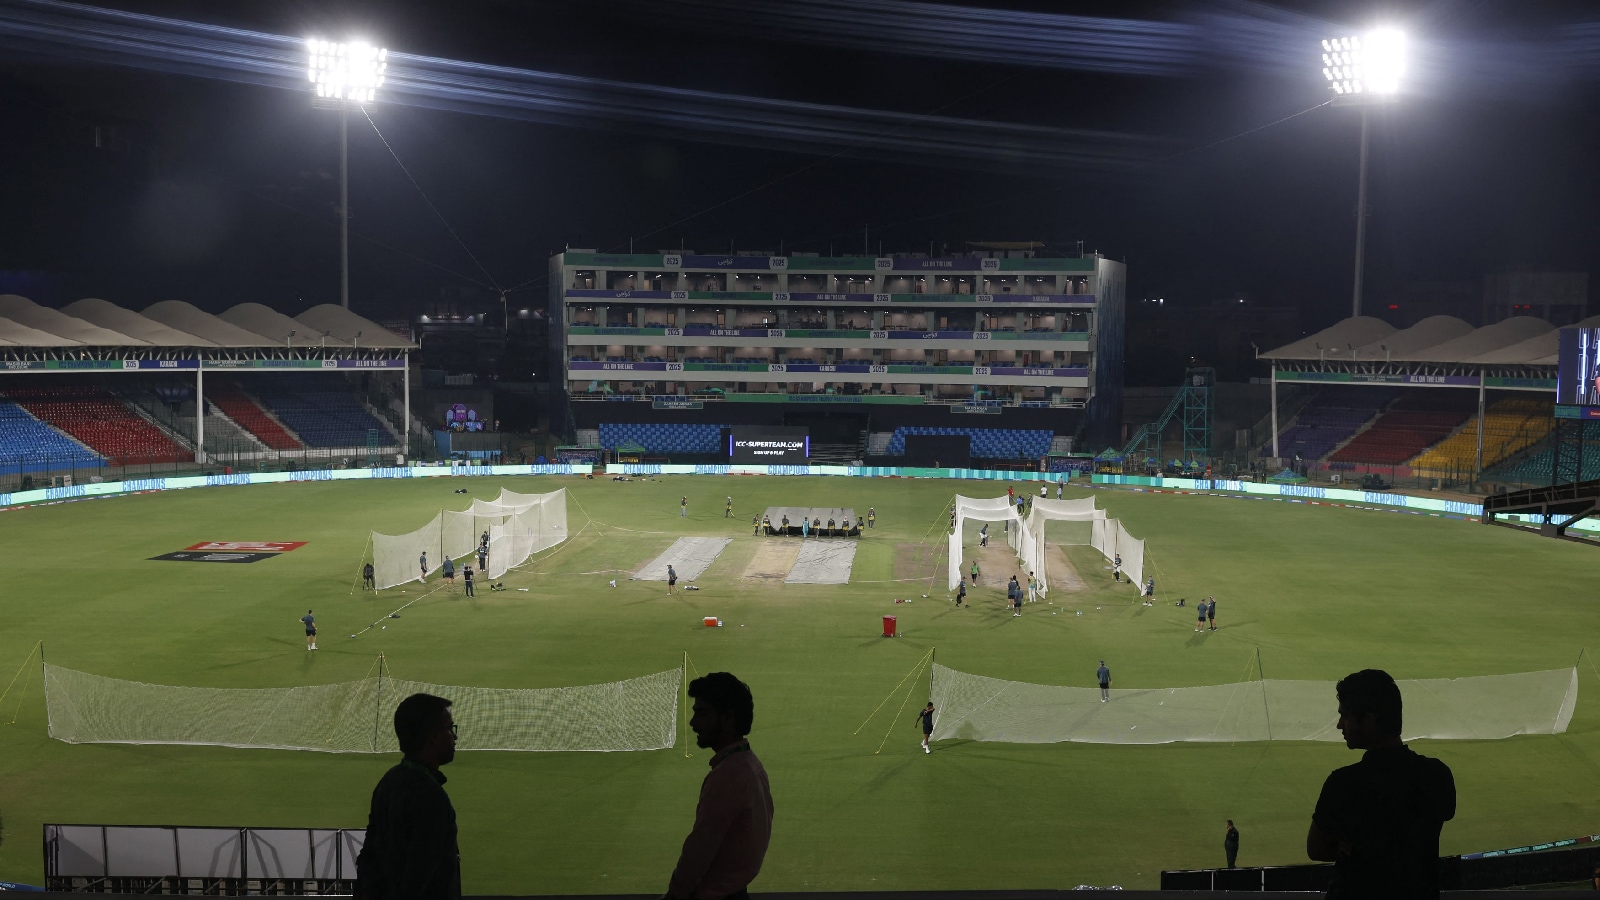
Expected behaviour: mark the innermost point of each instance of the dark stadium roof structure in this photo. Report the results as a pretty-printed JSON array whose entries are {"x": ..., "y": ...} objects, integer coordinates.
[
  {"x": 96, "y": 329},
  {"x": 1520, "y": 341}
]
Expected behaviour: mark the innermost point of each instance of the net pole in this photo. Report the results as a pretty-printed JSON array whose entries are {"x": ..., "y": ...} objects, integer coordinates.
[
  {"x": 1266, "y": 707},
  {"x": 377, "y": 705},
  {"x": 44, "y": 685},
  {"x": 683, "y": 723}
]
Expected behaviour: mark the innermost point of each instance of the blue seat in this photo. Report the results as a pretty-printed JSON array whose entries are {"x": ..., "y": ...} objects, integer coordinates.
[
  {"x": 986, "y": 443},
  {"x": 29, "y": 445},
  {"x": 663, "y": 439}
]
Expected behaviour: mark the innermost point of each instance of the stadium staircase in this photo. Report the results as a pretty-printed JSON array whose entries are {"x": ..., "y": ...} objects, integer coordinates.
[
  {"x": 147, "y": 407},
  {"x": 223, "y": 435},
  {"x": 102, "y": 422},
  {"x": 833, "y": 454},
  {"x": 238, "y": 406},
  {"x": 29, "y": 445},
  {"x": 1509, "y": 427},
  {"x": 1411, "y": 425}
]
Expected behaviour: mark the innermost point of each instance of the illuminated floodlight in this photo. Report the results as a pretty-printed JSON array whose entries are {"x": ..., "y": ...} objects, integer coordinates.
[
  {"x": 346, "y": 72},
  {"x": 1362, "y": 65}
]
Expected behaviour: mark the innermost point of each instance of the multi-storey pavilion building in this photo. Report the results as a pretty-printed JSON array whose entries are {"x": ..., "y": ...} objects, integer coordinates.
[{"x": 1033, "y": 341}]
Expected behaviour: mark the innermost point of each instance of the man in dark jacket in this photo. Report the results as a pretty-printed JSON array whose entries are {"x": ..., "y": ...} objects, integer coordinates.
[
  {"x": 1230, "y": 844},
  {"x": 1378, "y": 821},
  {"x": 410, "y": 851}
]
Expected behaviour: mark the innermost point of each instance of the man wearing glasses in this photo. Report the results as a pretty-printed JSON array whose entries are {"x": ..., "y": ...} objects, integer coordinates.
[{"x": 411, "y": 850}]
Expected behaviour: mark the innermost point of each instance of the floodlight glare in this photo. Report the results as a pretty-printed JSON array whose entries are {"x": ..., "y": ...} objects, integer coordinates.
[
  {"x": 352, "y": 71},
  {"x": 1372, "y": 63}
]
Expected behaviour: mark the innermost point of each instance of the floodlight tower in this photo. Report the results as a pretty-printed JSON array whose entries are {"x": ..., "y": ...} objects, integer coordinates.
[
  {"x": 344, "y": 76},
  {"x": 1363, "y": 71}
]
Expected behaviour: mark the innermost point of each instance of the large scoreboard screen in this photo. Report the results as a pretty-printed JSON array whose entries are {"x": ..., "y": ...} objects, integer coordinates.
[{"x": 1578, "y": 372}]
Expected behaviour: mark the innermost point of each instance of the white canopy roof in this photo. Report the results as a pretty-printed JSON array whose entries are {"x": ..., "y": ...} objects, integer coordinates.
[
  {"x": 347, "y": 326},
  {"x": 1520, "y": 340},
  {"x": 1335, "y": 341},
  {"x": 128, "y": 322},
  {"x": 26, "y": 312},
  {"x": 277, "y": 327},
  {"x": 184, "y": 317}
]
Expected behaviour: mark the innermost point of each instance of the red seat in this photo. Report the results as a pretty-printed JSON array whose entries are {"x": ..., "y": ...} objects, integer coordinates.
[
  {"x": 238, "y": 406},
  {"x": 102, "y": 422}
]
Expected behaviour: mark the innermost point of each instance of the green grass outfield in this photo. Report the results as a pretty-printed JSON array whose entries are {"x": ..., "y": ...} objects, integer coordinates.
[{"x": 1322, "y": 591}]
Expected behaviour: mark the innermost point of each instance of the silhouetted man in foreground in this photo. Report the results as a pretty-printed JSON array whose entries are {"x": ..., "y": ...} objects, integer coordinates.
[
  {"x": 733, "y": 820},
  {"x": 410, "y": 851},
  {"x": 1378, "y": 821}
]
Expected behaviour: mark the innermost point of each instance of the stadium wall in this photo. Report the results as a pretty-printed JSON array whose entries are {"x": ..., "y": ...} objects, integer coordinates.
[
  {"x": 884, "y": 417},
  {"x": 1292, "y": 492}
]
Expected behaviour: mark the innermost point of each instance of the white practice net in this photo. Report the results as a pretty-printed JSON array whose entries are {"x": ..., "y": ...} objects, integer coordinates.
[
  {"x": 985, "y": 509},
  {"x": 518, "y": 526},
  {"x": 1048, "y": 522},
  {"x": 358, "y": 716},
  {"x": 1074, "y": 525},
  {"x": 1484, "y": 707}
]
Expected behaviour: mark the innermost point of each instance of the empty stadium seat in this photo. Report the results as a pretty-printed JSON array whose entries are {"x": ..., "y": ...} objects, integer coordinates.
[
  {"x": 237, "y": 405},
  {"x": 986, "y": 443},
  {"x": 1412, "y": 424},
  {"x": 664, "y": 439},
  {"x": 101, "y": 422},
  {"x": 29, "y": 445},
  {"x": 1328, "y": 420},
  {"x": 320, "y": 409},
  {"x": 1535, "y": 467},
  {"x": 1509, "y": 426}
]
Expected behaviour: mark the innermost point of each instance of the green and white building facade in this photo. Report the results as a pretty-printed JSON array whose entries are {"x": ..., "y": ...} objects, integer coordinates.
[{"x": 1036, "y": 341}]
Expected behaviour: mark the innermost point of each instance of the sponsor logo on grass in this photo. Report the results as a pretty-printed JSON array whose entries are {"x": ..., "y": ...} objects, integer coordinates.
[
  {"x": 190, "y": 556},
  {"x": 249, "y": 546}
]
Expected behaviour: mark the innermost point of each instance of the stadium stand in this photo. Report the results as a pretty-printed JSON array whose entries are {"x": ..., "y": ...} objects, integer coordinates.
[
  {"x": 100, "y": 421},
  {"x": 237, "y": 405},
  {"x": 987, "y": 443},
  {"x": 319, "y": 409},
  {"x": 1509, "y": 426},
  {"x": 1535, "y": 466},
  {"x": 665, "y": 439},
  {"x": 29, "y": 445},
  {"x": 1329, "y": 420},
  {"x": 173, "y": 407},
  {"x": 1414, "y": 423}
]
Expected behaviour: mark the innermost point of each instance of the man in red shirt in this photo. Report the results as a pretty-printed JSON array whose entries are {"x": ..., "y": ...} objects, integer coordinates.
[{"x": 733, "y": 820}]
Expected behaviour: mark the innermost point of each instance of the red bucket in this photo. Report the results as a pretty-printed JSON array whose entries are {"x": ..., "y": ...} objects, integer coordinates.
[{"x": 890, "y": 623}]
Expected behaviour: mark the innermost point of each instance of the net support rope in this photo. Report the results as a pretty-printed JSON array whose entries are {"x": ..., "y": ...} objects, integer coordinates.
[
  {"x": 1482, "y": 707},
  {"x": 353, "y": 716}
]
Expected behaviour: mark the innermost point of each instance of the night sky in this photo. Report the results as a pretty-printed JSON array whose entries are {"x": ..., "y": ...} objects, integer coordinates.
[{"x": 217, "y": 192}]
